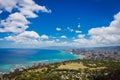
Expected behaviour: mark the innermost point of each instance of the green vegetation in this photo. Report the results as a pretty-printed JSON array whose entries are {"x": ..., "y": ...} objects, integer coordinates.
[{"x": 70, "y": 70}]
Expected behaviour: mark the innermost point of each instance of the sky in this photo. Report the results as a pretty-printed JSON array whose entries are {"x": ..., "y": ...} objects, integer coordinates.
[{"x": 74, "y": 23}]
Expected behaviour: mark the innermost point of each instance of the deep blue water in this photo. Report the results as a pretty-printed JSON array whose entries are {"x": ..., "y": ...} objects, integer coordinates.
[{"x": 11, "y": 57}]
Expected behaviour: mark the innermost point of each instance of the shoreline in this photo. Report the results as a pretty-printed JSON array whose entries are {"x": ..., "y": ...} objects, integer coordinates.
[
  {"x": 36, "y": 63},
  {"x": 80, "y": 55}
]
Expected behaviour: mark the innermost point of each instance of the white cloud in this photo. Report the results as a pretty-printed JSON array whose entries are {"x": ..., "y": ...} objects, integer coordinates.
[
  {"x": 1, "y": 11},
  {"x": 78, "y": 25},
  {"x": 44, "y": 37},
  {"x": 81, "y": 36},
  {"x": 27, "y": 37},
  {"x": 63, "y": 37},
  {"x": 8, "y": 5},
  {"x": 15, "y": 23},
  {"x": 71, "y": 30},
  {"x": 81, "y": 41},
  {"x": 28, "y": 5},
  {"x": 58, "y": 29},
  {"x": 101, "y": 36},
  {"x": 78, "y": 31},
  {"x": 107, "y": 35},
  {"x": 26, "y": 9},
  {"x": 29, "y": 34}
]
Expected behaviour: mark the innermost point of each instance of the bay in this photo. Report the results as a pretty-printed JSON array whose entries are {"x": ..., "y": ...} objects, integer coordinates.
[{"x": 9, "y": 58}]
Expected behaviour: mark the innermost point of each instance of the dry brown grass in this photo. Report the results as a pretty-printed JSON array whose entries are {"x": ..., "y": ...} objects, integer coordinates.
[
  {"x": 97, "y": 68},
  {"x": 77, "y": 66},
  {"x": 72, "y": 66}
]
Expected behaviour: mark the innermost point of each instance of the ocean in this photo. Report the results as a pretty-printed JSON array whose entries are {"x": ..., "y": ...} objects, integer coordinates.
[{"x": 9, "y": 58}]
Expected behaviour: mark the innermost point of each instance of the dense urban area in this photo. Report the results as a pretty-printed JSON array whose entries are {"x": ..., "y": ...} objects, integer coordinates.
[{"x": 100, "y": 53}]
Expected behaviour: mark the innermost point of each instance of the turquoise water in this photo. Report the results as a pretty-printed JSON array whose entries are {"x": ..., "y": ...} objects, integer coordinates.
[{"x": 9, "y": 58}]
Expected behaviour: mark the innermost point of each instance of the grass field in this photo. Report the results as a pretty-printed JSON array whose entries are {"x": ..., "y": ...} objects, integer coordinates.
[
  {"x": 77, "y": 66},
  {"x": 72, "y": 66}
]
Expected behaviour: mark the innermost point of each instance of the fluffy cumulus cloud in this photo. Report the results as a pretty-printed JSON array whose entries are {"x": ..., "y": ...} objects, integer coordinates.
[
  {"x": 78, "y": 25},
  {"x": 101, "y": 36},
  {"x": 44, "y": 37},
  {"x": 58, "y": 29},
  {"x": 1, "y": 11},
  {"x": 78, "y": 31},
  {"x": 63, "y": 37},
  {"x": 26, "y": 37},
  {"x": 28, "y": 7},
  {"x": 81, "y": 41},
  {"x": 8, "y": 5},
  {"x": 17, "y": 22},
  {"x": 22, "y": 5},
  {"x": 107, "y": 34}
]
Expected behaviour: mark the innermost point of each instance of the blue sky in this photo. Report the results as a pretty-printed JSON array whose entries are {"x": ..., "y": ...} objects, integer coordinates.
[{"x": 41, "y": 23}]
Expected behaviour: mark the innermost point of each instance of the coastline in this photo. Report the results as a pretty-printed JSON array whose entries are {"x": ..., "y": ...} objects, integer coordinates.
[
  {"x": 35, "y": 63},
  {"x": 80, "y": 55}
]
